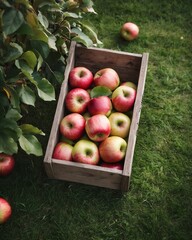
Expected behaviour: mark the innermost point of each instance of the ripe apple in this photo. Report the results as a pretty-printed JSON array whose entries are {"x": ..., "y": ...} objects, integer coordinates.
[
  {"x": 80, "y": 77},
  {"x": 85, "y": 151},
  {"x": 123, "y": 98},
  {"x": 98, "y": 127},
  {"x": 112, "y": 149},
  {"x": 77, "y": 99},
  {"x": 129, "y": 31},
  {"x": 63, "y": 151},
  {"x": 100, "y": 105},
  {"x": 7, "y": 163},
  {"x": 118, "y": 165},
  {"x": 72, "y": 126},
  {"x": 5, "y": 210},
  {"x": 129, "y": 84},
  {"x": 120, "y": 124},
  {"x": 107, "y": 77}
]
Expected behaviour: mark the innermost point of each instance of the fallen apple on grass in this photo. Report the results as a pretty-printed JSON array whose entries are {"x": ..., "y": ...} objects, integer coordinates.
[
  {"x": 5, "y": 210},
  {"x": 85, "y": 151},
  {"x": 100, "y": 105},
  {"x": 72, "y": 126},
  {"x": 112, "y": 149},
  {"x": 106, "y": 77},
  {"x": 80, "y": 77},
  {"x": 77, "y": 99},
  {"x": 98, "y": 127},
  {"x": 63, "y": 151},
  {"x": 129, "y": 31},
  {"x": 123, "y": 98},
  {"x": 7, "y": 163},
  {"x": 120, "y": 124}
]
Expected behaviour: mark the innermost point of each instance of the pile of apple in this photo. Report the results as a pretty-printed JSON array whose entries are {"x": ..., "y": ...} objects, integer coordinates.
[{"x": 96, "y": 124}]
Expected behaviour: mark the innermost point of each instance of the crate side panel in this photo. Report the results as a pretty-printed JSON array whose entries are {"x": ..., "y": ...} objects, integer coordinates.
[
  {"x": 59, "y": 113},
  {"x": 126, "y": 65},
  {"x": 91, "y": 175},
  {"x": 134, "y": 125}
]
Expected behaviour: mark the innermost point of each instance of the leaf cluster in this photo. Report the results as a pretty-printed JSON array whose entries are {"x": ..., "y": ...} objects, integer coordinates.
[{"x": 34, "y": 40}]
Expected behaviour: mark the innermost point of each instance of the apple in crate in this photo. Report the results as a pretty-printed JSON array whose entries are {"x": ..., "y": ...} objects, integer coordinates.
[
  {"x": 118, "y": 165},
  {"x": 63, "y": 151},
  {"x": 123, "y": 98},
  {"x": 120, "y": 124},
  {"x": 112, "y": 149},
  {"x": 107, "y": 77},
  {"x": 72, "y": 126},
  {"x": 129, "y": 84},
  {"x": 98, "y": 127},
  {"x": 80, "y": 77},
  {"x": 7, "y": 163},
  {"x": 129, "y": 31},
  {"x": 5, "y": 210},
  {"x": 85, "y": 151},
  {"x": 77, "y": 99},
  {"x": 100, "y": 105}
]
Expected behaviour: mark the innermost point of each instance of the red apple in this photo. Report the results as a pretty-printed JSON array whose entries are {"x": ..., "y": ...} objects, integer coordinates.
[
  {"x": 100, "y": 105},
  {"x": 129, "y": 84},
  {"x": 118, "y": 165},
  {"x": 112, "y": 149},
  {"x": 123, "y": 98},
  {"x": 129, "y": 31},
  {"x": 85, "y": 151},
  {"x": 80, "y": 77},
  {"x": 63, "y": 151},
  {"x": 77, "y": 99},
  {"x": 72, "y": 126},
  {"x": 5, "y": 210},
  {"x": 7, "y": 164},
  {"x": 120, "y": 124},
  {"x": 107, "y": 77},
  {"x": 98, "y": 127}
]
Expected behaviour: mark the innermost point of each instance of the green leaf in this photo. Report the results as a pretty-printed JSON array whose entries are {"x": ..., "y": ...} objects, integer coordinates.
[
  {"x": 10, "y": 53},
  {"x": 30, "y": 58},
  {"x": 13, "y": 114},
  {"x": 30, "y": 129},
  {"x": 27, "y": 95},
  {"x": 12, "y": 19},
  {"x": 70, "y": 14},
  {"x": 43, "y": 20},
  {"x": 41, "y": 47},
  {"x": 7, "y": 144},
  {"x": 52, "y": 42},
  {"x": 31, "y": 145},
  {"x": 100, "y": 91},
  {"x": 81, "y": 37},
  {"x": 88, "y": 30},
  {"x": 14, "y": 98},
  {"x": 39, "y": 35},
  {"x": 45, "y": 90},
  {"x": 11, "y": 126}
]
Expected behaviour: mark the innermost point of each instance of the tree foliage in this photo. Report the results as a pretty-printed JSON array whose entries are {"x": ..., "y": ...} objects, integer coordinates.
[{"x": 34, "y": 40}]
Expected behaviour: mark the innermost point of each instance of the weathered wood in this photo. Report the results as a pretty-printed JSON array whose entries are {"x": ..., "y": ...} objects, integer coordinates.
[
  {"x": 134, "y": 124},
  {"x": 87, "y": 174},
  {"x": 130, "y": 67}
]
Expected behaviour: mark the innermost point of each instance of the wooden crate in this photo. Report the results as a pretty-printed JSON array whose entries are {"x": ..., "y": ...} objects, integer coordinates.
[{"x": 130, "y": 67}]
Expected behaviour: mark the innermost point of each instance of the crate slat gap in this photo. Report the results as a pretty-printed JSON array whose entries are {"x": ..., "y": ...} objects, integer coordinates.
[{"x": 130, "y": 67}]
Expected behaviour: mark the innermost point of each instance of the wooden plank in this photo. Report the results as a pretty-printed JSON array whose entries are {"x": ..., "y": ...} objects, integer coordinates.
[
  {"x": 127, "y": 65},
  {"x": 87, "y": 174},
  {"x": 134, "y": 124}
]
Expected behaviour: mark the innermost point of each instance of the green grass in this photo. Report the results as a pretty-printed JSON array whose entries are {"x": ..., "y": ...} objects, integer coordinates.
[{"x": 158, "y": 205}]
